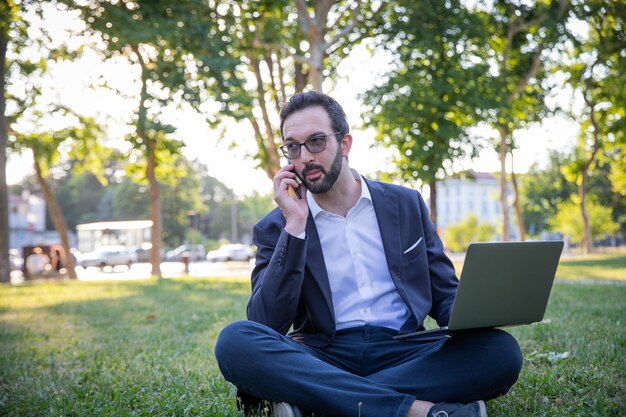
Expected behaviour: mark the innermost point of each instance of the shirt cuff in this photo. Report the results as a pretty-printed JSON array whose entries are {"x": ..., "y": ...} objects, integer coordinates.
[{"x": 300, "y": 236}]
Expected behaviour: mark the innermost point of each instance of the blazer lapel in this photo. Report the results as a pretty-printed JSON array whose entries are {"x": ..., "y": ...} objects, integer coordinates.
[
  {"x": 386, "y": 207},
  {"x": 315, "y": 263}
]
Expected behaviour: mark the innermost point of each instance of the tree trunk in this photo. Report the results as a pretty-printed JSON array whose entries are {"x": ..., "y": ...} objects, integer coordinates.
[
  {"x": 4, "y": 192},
  {"x": 153, "y": 184},
  {"x": 587, "y": 243},
  {"x": 516, "y": 204},
  {"x": 264, "y": 149},
  {"x": 503, "y": 197},
  {"x": 316, "y": 74},
  {"x": 155, "y": 210},
  {"x": 314, "y": 31},
  {"x": 300, "y": 78},
  {"x": 432, "y": 185},
  {"x": 57, "y": 219},
  {"x": 272, "y": 159}
]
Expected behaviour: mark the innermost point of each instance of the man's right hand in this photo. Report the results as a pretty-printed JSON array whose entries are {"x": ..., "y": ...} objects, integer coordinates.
[{"x": 294, "y": 209}]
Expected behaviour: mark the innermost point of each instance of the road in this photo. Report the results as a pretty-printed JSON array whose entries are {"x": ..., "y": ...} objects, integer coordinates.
[{"x": 168, "y": 270}]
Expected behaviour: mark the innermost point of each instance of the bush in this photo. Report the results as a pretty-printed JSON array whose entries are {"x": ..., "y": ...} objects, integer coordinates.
[{"x": 457, "y": 237}]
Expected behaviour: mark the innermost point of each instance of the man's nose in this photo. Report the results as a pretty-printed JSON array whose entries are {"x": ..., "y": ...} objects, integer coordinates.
[{"x": 306, "y": 155}]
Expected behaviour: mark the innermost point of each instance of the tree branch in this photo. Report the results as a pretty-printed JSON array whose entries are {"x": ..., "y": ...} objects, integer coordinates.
[
  {"x": 534, "y": 67},
  {"x": 303, "y": 13},
  {"x": 354, "y": 20},
  {"x": 257, "y": 43}
]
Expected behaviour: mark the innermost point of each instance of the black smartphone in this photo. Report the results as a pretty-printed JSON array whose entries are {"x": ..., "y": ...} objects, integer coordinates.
[{"x": 298, "y": 180}]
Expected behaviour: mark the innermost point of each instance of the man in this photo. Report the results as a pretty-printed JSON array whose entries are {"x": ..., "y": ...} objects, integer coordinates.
[{"x": 348, "y": 264}]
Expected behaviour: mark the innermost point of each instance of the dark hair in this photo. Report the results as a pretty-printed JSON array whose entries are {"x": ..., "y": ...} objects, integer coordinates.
[{"x": 301, "y": 101}]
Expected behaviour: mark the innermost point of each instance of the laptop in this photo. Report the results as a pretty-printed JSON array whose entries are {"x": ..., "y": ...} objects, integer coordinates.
[{"x": 501, "y": 284}]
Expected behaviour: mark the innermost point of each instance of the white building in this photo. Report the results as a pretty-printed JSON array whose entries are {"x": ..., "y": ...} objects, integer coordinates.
[
  {"x": 27, "y": 218},
  {"x": 27, "y": 222},
  {"x": 475, "y": 193}
]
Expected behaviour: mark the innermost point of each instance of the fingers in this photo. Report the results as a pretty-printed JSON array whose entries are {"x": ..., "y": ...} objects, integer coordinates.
[{"x": 285, "y": 179}]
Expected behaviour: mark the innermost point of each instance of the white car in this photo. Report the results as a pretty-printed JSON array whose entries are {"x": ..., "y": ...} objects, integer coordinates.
[
  {"x": 193, "y": 252},
  {"x": 231, "y": 252},
  {"x": 16, "y": 262},
  {"x": 107, "y": 256}
]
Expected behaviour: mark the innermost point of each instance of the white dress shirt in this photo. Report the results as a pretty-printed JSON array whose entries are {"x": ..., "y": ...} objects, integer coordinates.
[{"x": 362, "y": 289}]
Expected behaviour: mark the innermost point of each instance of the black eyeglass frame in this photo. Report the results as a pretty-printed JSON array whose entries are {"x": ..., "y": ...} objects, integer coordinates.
[{"x": 283, "y": 148}]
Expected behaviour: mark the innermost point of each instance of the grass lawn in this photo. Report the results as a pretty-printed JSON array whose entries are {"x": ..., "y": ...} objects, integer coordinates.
[{"x": 126, "y": 348}]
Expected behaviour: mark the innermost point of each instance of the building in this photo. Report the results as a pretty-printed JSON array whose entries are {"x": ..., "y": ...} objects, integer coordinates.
[
  {"x": 469, "y": 193},
  {"x": 27, "y": 222}
]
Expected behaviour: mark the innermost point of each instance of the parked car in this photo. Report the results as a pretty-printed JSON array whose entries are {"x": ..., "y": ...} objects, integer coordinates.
[
  {"x": 231, "y": 252},
  {"x": 16, "y": 262},
  {"x": 107, "y": 256},
  {"x": 195, "y": 253}
]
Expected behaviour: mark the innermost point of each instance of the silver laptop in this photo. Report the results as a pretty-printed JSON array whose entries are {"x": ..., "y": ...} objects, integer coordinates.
[{"x": 502, "y": 284}]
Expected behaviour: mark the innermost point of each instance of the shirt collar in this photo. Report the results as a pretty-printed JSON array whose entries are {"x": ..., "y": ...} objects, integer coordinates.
[{"x": 315, "y": 209}]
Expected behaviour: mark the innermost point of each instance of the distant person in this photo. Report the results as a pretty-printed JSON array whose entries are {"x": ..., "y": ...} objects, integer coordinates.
[
  {"x": 56, "y": 262},
  {"x": 37, "y": 262},
  {"x": 346, "y": 267}
]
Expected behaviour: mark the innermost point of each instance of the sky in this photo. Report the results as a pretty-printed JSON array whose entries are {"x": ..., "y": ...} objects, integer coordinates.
[{"x": 234, "y": 165}]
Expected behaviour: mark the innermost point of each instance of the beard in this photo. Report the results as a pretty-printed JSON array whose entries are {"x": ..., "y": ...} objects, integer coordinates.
[{"x": 328, "y": 178}]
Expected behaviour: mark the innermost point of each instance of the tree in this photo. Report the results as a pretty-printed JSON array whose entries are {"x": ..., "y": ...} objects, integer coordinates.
[
  {"x": 459, "y": 236},
  {"x": 598, "y": 72},
  {"x": 569, "y": 222},
  {"x": 22, "y": 122},
  {"x": 157, "y": 38},
  {"x": 542, "y": 191},
  {"x": 434, "y": 93},
  {"x": 81, "y": 140},
  {"x": 80, "y": 196},
  {"x": 10, "y": 27},
  {"x": 285, "y": 46},
  {"x": 522, "y": 35},
  {"x": 182, "y": 198}
]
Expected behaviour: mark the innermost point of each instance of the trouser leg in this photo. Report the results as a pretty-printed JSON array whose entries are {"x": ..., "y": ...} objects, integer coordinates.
[
  {"x": 266, "y": 364},
  {"x": 479, "y": 365}
]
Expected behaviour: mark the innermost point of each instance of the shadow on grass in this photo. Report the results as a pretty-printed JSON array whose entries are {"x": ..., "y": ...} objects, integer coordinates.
[
  {"x": 146, "y": 348},
  {"x": 119, "y": 348}
]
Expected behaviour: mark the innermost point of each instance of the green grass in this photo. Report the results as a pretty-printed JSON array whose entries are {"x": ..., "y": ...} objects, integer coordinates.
[
  {"x": 115, "y": 348},
  {"x": 145, "y": 348},
  {"x": 594, "y": 267},
  {"x": 611, "y": 266}
]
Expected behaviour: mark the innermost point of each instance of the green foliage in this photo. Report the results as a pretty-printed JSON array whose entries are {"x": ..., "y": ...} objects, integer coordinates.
[
  {"x": 83, "y": 198},
  {"x": 541, "y": 192},
  {"x": 596, "y": 68},
  {"x": 179, "y": 198},
  {"x": 80, "y": 196},
  {"x": 249, "y": 210},
  {"x": 568, "y": 220},
  {"x": 434, "y": 93},
  {"x": 458, "y": 237},
  {"x": 252, "y": 208},
  {"x": 521, "y": 36}
]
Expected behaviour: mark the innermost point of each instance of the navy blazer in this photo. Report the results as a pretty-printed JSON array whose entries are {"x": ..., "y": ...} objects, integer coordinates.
[{"x": 290, "y": 284}]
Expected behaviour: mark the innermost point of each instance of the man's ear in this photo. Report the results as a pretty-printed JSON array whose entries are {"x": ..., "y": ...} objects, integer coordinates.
[{"x": 346, "y": 144}]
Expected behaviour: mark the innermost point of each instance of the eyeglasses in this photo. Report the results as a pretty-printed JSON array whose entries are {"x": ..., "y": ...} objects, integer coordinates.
[{"x": 314, "y": 144}]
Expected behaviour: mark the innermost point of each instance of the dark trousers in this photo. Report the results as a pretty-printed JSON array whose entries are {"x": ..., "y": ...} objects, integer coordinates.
[{"x": 364, "y": 371}]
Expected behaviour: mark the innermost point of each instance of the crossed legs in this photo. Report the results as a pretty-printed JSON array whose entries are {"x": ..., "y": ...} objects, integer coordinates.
[{"x": 364, "y": 372}]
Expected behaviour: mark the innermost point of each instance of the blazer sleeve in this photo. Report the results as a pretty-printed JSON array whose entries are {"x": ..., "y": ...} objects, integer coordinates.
[
  {"x": 443, "y": 279},
  {"x": 278, "y": 274}
]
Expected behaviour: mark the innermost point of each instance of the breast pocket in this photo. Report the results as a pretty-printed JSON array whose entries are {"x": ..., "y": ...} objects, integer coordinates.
[{"x": 414, "y": 252}]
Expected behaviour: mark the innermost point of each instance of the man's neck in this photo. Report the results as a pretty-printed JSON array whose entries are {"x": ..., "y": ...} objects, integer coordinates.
[{"x": 344, "y": 194}]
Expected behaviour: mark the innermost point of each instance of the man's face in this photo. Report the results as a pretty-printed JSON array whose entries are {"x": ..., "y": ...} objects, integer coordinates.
[{"x": 319, "y": 171}]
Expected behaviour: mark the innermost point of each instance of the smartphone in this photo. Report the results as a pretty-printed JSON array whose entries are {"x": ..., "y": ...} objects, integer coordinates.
[{"x": 298, "y": 180}]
